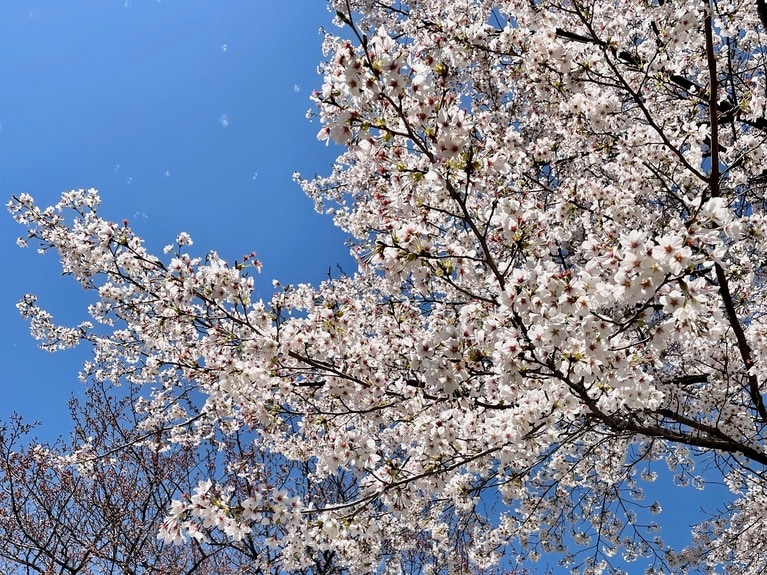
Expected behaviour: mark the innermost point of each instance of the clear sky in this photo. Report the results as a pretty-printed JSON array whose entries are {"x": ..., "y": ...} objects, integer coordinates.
[{"x": 187, "y": 116}]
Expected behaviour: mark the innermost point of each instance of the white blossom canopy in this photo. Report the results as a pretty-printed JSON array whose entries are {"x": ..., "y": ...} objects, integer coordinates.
[{"x": 558, "y": 210}]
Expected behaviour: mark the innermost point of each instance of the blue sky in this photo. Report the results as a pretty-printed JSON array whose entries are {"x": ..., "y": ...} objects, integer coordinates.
[{"x": 187, "y": 116}]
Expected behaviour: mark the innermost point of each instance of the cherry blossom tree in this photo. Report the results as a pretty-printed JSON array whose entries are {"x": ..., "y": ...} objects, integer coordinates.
[{"x": 558, "y": 210}]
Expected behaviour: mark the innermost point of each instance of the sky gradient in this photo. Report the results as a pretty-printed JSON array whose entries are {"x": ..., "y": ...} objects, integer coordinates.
[{"x": 187, "y": 116}]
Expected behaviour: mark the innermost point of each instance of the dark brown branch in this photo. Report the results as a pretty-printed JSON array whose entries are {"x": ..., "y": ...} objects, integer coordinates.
[
  {"x": 761, "y": 9},
  {"x": 715, "y": 190},
  {"x": 712, "y": 106}
]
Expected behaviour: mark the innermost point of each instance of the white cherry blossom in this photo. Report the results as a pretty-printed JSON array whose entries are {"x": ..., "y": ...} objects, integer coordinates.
[{"x": 558, "y": 209}]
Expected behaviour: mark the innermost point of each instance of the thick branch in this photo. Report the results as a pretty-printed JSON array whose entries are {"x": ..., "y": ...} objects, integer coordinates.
[{"x": 715, "y": 190}]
